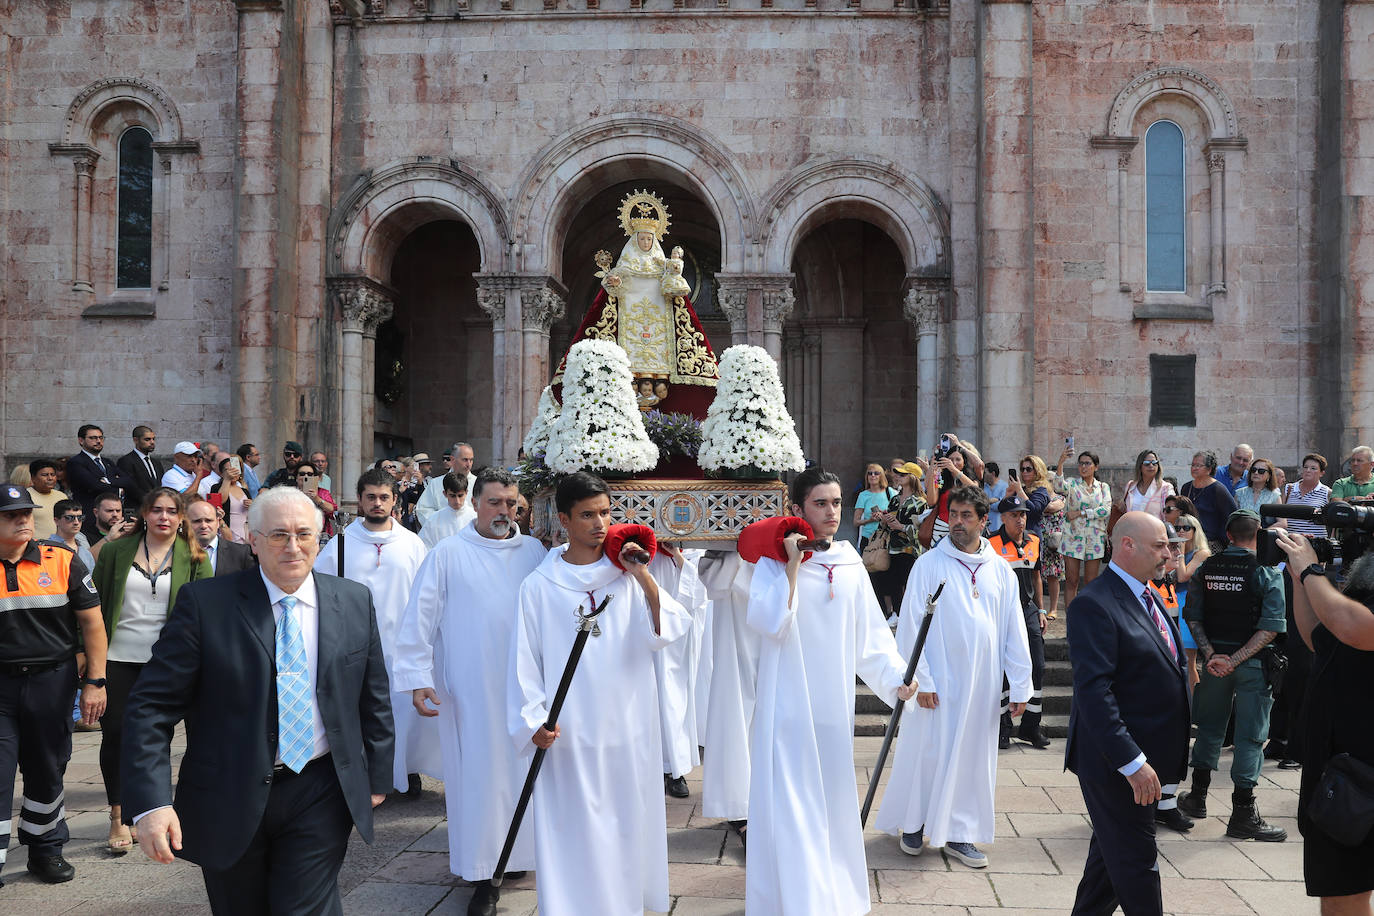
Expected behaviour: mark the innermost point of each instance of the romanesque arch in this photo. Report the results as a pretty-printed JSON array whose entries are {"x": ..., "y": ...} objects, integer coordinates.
[
  {"x": 385, "y": 205},
  {"x": 864, "y": 188},
  {"x": 548, "y": 193},
  {"x": 1183, "y": 81},
  {"x": 85, "y": 112}
]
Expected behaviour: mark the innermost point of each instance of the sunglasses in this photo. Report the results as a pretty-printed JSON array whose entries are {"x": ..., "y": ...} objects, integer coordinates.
[
  {"x": 1148, "y": 463},
  {"x": 1183, "y": 527},
  {"x": 1171, "y": 508},
  {"x": 874, "y": 473},
  {"x": 1259, "y": 470},
  {"x": 303, "y": 476},
  {"x": 1027, "y": 469},
  {"x": 71, "y": 518},
  {"x": 290, "y": 454}
]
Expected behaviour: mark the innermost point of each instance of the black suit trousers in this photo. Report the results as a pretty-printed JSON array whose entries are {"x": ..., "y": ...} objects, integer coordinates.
[
  {"x": 292, "y": 865},
  {"x": 1123, "y": 861}
]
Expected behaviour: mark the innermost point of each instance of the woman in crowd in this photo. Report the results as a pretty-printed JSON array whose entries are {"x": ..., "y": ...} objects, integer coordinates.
[
  {"x": 1195, "y": 551},
  {"x": 1308, "y": 491},
  {"x": 1044, "y": 518},
  {"x": 138, "y": 577},
  {"x": 872, "y": 499},
  {"x": 947, "y": 474},
  {"x": 902, "y": 519},
  {"x": 1214, "y": 503},
  {"x": 1088, "y": 504},
  {"x": 234, "y": 499},
  {"x": 1147, "y": 491},
  {"x": 1260, "y": 488},
  {"x": 308, "y": 482}
]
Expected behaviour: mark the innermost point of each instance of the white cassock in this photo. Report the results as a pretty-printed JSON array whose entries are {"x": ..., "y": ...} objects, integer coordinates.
[
  {"x": 456, "y": 638},
  {"x": 600, "y": 831},
  {"x": 944, "y": 772},
  {"x": 433, "y": 499},
  {"x": 386, "y": 562},
  {"x": 806, "y": 850},
  {"x": 445, "y": 522},
  {"x": 735, "y": 664},
  {"x": 675, "y": 666}
]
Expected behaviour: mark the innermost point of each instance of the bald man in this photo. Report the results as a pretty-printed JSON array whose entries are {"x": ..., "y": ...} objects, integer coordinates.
[{"x": 1128, "y": 732}]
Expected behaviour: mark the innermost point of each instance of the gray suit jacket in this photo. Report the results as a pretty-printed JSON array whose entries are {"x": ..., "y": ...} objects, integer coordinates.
[{"x": 231, "y": 558}]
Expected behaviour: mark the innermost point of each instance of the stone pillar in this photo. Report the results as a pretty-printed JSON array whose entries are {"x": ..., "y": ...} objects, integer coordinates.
[
  {"x": 85, "y": 168},
  {"x": 521, "y": 308},
  {"x": 1006, "y": 294},
  {"x": 1216, "y": 178},
  {"x": 363, "y": 305},
  {"x": 757, "y": 305},
  {"x": 922, "y": 307}
]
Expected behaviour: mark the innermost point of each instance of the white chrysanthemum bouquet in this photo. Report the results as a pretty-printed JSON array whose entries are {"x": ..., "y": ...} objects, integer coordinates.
[
  {"x": 599, "y": 428},
  {"x": 748, "y": 424},
  {"x": 537, "y": 439}
]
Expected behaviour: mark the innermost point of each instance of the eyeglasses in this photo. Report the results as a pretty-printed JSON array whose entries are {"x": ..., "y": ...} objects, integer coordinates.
[
  {"x": 1259, "y": 470},
  {"x": 1149, "y": 463},
  {"x": 280, "y": 538},
  {"x": 1183, "y": 528}
]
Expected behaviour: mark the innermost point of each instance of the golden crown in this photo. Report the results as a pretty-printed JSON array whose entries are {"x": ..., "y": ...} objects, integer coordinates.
[{"x": 643, "y": 211}]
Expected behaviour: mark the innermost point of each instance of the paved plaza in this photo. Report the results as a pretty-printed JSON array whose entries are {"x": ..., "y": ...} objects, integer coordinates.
[{"x": 1042, "y": 837}]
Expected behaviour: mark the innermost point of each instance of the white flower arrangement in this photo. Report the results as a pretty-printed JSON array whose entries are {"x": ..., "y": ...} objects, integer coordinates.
[
  {"x": 600, "y": 427},
  {"x": 537, "y": 439},
  {"x": 748, "y": 423}
]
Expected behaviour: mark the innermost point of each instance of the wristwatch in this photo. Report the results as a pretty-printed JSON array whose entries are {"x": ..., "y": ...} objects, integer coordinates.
[
  {"x": 98, "y": 682},
  {"x": 1314, "y": 568}
]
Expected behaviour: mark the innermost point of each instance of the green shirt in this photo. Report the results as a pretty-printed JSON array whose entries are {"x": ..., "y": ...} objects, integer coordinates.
[{"x": 1346, "y": 487}]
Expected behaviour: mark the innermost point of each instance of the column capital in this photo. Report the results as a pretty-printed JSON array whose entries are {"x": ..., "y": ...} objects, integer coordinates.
[
  {"x": 364, "y": 303},
  {"x": 83, "y": 157},
  {"x": 922, "y": 305},
  {"x": 540, "y": 307},
  {"x": 777, "y": 304},
  {"x": 541, "y": 297}
]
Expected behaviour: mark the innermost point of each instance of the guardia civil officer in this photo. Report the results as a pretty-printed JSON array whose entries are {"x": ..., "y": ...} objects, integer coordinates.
[
  {"x": 1239, "y": 612},
  {"x": 47, "y": 595}
]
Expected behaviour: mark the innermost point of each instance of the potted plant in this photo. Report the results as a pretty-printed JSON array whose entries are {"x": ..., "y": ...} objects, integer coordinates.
[
  {"x": 748, "y": 431},
  {"x": 600, "y": 428}
]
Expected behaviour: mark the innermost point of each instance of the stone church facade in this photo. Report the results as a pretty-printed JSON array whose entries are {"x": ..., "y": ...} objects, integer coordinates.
[{"x": 369, "y": 224}]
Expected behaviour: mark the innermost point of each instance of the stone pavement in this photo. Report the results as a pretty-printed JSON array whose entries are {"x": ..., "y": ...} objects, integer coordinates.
[{"x": 1034, "y": 865}]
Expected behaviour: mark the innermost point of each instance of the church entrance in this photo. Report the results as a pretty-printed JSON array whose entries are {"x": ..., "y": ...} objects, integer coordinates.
[
  {"x": 434, "y": 356},
  {"x": 849, "y": 355}
]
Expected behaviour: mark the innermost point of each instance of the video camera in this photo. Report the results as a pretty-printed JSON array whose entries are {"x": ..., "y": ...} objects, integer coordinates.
[{"x": 1354, "y": 520}]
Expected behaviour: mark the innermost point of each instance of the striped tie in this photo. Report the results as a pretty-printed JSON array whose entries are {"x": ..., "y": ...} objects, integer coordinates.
[
  {"x": 1159, "y": 621},
  {"x": 295, "y": 735}
]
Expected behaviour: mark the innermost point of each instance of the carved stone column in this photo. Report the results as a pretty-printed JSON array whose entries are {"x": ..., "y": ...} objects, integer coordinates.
[
  {"x": 83, "y": 162},
  {"x": 923, "y": 306},
  {"x": 778, "y": 300},
  {"x": 363, "y": 305},
  {"x": 757, "y": 305},
  {"x": 734, "y": 302},
  {"x": 1216, "y": 179},
  {"x": 521, "y": 308}
]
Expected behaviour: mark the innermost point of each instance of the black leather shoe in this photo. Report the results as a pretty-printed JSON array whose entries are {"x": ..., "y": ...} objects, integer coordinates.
[
  {"x": 484, "y": 897},
  {"x": 1174, "y": 819},
  {"x": 1035, "y": 739},
  {"x": 515, "y": 875},
  {"x": 1003, "y": 741},
  {"x": 413, "y": 787},
  {"x": 1288, "y": 763},
  {"x": 51, "y": 869},
  {"x": 1193, "y": 806},
  {"x": 1246, "y": 824},
  {"x": 676, "y": 786}
]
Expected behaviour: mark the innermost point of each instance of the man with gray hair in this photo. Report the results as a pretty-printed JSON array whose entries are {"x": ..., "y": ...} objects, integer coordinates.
[
  {"x": 1361, "y": 479},
  {"x": 288, "y": 667},
  {"x": 433, "y": 499},
  {"x": 1233, "y": 476}
]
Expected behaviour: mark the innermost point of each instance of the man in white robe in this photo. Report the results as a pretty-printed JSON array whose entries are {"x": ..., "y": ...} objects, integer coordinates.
[
  {"x": 730, "y": 710},
  {"x": 452, "y": 653},
  {"x": 432, "y": 500},
  {"x": 380, "y": 553},
  {"x": 600, "y": 832},
  {"x": 675, "y": 668},
  {"x": 944, "y": 773},
  {"x": 457, "y": 515},
  {"x": 821, "y": 625}
]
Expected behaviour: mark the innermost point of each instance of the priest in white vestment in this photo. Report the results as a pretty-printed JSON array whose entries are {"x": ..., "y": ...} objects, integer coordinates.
[
  {"x": 944, "y": 772},
  {"x": 676, "y": 668},
  {"x": 600, "y": 831},
  {"x": 452, "y": 652},
  {"x": 821, "y": 625},
  {"x": 734, "y": 652},
  {"x": 451, "y": 519},
  {"x": 382, "y": 554}
]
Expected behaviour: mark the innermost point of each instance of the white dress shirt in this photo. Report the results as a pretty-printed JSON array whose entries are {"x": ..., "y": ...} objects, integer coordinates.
[{"x": 308, "y": 609}]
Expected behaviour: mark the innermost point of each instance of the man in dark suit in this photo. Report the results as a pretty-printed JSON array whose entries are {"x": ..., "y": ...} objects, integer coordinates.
[
  {"x": 285, "y": 670},
  {"x": 1128, "y": 732},
  {"x": 226, "y": 557},
  {"x": 140, "y": 467},
  {"x": 89, "y": 474}
]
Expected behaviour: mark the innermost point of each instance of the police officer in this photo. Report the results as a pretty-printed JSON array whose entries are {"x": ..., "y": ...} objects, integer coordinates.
[
  {"x": 1239, "y": 613},
  {"x": 47, "y": 595},
  {"x": 1021, "y": 549}
]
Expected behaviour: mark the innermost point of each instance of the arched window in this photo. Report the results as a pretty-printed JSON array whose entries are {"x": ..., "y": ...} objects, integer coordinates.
[
  {"x": 1166, "y": 209},
  {"x": 135, "y": 226}
]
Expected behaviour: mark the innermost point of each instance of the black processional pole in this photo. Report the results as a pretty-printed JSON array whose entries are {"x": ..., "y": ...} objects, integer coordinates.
[
  {"x": 897, "y": 709},
  {"x": 585, "y": 625}
]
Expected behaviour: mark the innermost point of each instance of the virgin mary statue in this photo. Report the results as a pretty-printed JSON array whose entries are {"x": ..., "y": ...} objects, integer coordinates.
[{"x": 645, "y": 306}]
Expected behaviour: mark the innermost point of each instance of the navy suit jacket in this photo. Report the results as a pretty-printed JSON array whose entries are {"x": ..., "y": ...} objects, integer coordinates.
[
  {"x": 214, "y": 665},
  {"x": 1129, "y": 695},
  {"x": 140, "y": 484},
  {"x": 84, "y": 483}
]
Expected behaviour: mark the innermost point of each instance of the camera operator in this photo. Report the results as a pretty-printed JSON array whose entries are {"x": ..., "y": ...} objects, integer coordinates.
[
  {"x": 1239, "y": 612},
  {"x": 1339, "y": 628}
]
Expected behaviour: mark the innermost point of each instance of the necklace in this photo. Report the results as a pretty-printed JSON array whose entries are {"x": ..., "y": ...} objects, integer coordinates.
[
  {"x": 165, "y": 561},
  {"x": 972, "y": 574}
]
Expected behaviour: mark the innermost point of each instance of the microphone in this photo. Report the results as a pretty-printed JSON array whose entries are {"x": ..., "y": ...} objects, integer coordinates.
[{"x": 1279, "y": 510}]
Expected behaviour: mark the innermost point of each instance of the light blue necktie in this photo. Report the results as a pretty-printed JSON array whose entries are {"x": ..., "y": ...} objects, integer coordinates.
[{"x": 296, "y": 739}]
